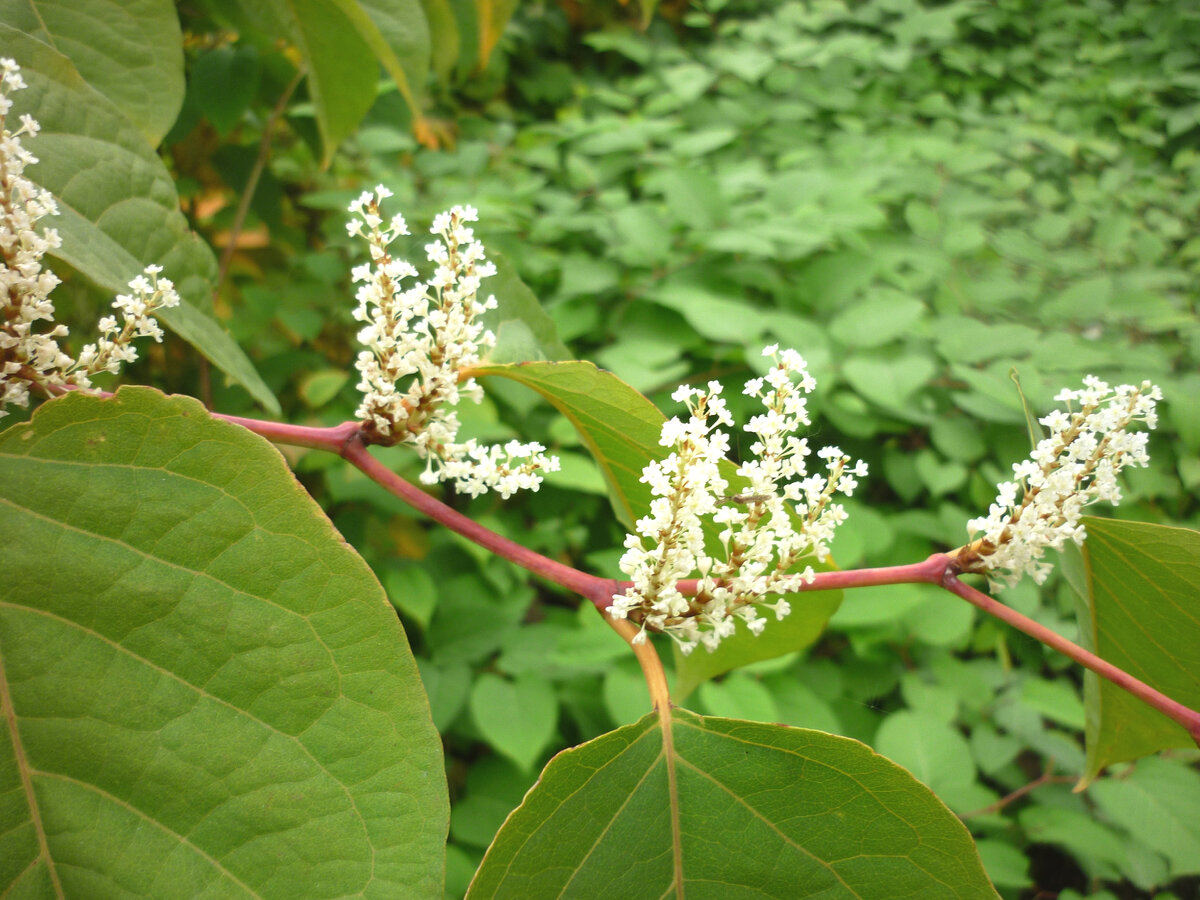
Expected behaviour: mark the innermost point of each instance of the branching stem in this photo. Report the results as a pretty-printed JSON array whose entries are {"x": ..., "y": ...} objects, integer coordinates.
[{"x": 347, "y": 440}]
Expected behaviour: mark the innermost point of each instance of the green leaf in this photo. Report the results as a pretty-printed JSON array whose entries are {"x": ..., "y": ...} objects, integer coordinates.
[
  {"x": 340, "y": 64},
  {"x": 524, "y": 330},
  {"x": 131, "y": 53},
  {"x": 118, "y": 210},
  {"x": 888, "y": 379},
  {"x": 1139, "y": 595},
  {"x": 516, "y": 717},
  {"x": 1157, "y": 803},
  {"x": 205, "y": 690},
  {"x": 397, "y": 31},
  {"x": 618, "y": 425},
  {"x": 224, "y": 81},
  {"x": 798, "y": 630},
  {"x": 492, "y": 16},
  {"x": 882, "y": 318},
  {"x": 621, "y": 429},
  {"x": 930, "y": 748},
  {"x": 719, "y": 808}
]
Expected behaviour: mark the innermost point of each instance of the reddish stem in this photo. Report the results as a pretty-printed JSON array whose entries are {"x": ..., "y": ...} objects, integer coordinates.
[
  {"x": 347, "y": 441},
  {"x": 598, "y": 590},
  {"x": 1188, "y": 718}
]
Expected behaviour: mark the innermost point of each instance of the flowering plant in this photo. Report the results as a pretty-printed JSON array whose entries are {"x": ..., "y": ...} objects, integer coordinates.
[{"x": 283, "y": 710}]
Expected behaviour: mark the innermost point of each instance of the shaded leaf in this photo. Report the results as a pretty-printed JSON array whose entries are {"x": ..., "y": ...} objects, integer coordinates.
[
  {"x": 1139, "y": 586},
  {"x": 516, "y": 717},
  {"x": 621, "y": 428},
  {"x": 130, "y": 52},
  {"x": 492, "y": 16},
  {"x": 618, "y": 425},
  {"x": 205, "y": 690},
  {"x": 798, "y": 630},
  {"x": 718, "y": 808}
]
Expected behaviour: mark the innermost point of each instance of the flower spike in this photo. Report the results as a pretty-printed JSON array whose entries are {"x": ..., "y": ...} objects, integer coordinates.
[{"x": 1075, "y": 466}]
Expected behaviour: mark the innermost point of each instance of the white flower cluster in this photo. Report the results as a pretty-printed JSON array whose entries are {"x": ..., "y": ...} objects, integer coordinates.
[
  {"x": 780, "y": 517},
  {"x": 1077, "y": 464},
  {"x": 419, "y": 340},
  {"x": 28, "y": 357}
]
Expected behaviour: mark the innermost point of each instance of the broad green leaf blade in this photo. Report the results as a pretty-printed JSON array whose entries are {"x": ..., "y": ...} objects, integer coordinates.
[
  {"x": 397, "y": 32},
  {"x": 118, "y": 210},
  {"x": 618, "y": 425},
  {"x": 798, "y": 630},
  {"x": 516, "y": 717},
  {"x": 444, "y": 37},
  {"x": 719, "y": 808},
  {"x": 342, "y": 70},
  {"x": 1141, "y": 614},
  {"x": 131, "y": 52},
  {"x": 205, "y": 690}
]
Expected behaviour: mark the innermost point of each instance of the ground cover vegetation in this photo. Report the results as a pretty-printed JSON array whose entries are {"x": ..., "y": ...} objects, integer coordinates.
[{"x": 922, "y": 199}]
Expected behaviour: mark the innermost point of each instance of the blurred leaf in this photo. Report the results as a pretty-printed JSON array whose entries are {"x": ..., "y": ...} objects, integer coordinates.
[
  {"x": 118, "y": 210},
  {"x": 1157, "y": 803},
  {"x": 131, "y": 53},
  {"x": 318, "y": 388},
  {"x": 444, "y": 38},
  {"x": 888, "y": 379},
  {"x": 876, "y": 321},
  {"x": 204, "y": 686},
  {"x": 1139, "y": 584},
  {"x": 654, "y": 809},
  {"x": 340, "y": 68},
  {"x": 523, "y": 328},
  {"x": 516, "y": 717},
  {"x": 931, "y": 749},
  {"x": 492, "y": 15},
  {"x": 224, "y": 81}
]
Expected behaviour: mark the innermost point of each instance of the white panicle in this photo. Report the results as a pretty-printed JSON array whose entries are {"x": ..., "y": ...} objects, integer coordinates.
[
  {"x": 28, "y": 357},
  {"x": 419, "y": 340},
  {"x": 781, "y": 517},
  {"x": 1076, "y": 465}
]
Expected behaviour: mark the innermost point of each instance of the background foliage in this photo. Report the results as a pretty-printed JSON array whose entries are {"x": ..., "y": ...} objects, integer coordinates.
[{"x": 920, "y": 197}]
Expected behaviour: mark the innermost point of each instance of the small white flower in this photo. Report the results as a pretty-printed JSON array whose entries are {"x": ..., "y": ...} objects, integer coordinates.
[
  {"x": 419, "y": 340},
  {"x": 782, "y": 516},
  {"x": 1076, "y": 465},
  {"x": 30, "y": 357}
]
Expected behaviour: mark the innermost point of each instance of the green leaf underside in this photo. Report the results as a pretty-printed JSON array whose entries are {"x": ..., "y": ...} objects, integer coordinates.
[
  {"x": 118, "y": 210},
  {"x": 109, "y": 40},
  {"x": 721, "y": 808},
  {"x": 1142, "y": 584},
  {"x": 618, "y": 425},
  {"x": 205, "y": 690},
  {"x": 621, "y": 428}
]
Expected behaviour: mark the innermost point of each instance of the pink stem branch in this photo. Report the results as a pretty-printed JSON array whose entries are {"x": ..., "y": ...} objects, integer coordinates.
[{"x": 347, "y": 441}]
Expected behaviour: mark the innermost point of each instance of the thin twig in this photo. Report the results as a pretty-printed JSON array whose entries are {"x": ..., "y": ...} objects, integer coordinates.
[
  {"x": 251, "y": 185},
  {"x": 1045, "y": 778}
]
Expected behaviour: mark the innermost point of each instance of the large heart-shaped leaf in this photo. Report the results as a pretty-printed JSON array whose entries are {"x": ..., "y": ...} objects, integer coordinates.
[
  {"x": 118, "y": 210},
  {"x": 1139, "y": 586},
  {"x": 131, "y": 53},
  {"x": 698, "y": 807},
  {"x": 205, "y": 691}
]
